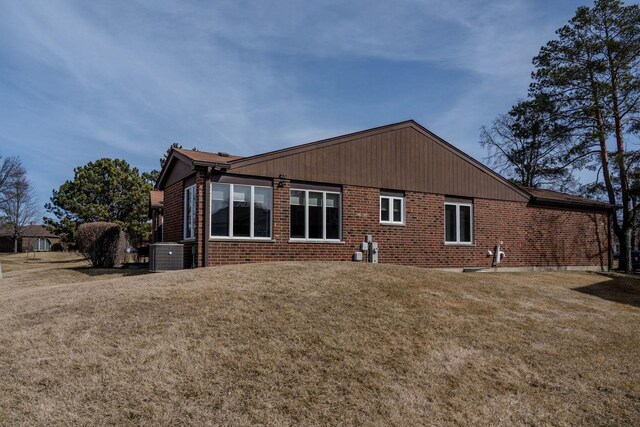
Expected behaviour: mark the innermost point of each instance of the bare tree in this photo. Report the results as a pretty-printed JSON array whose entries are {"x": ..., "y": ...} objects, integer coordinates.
[
  {"x": 19, "y": 206},
  {"x": 529, "y": 144},
  {"x": 10, "y": 169}
]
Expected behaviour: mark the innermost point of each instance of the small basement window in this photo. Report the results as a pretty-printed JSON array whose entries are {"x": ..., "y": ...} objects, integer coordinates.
[
  {"x": 458, "y": 220},
  {"x": 392, "y": 207}
]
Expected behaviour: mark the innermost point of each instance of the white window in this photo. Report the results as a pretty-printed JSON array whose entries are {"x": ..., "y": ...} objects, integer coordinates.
[
  {"x": 42, "y": 245},
  {"x": 242, "y": 211},
  {"x": 315, "y": 215},
  {"x": 190, "y": 212},
  {"x": 391, "y": 209},
  {"x": 458, "y": 219}
]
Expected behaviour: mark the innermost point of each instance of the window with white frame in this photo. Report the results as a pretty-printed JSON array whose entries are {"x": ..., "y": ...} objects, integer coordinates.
[
  {"x": 391, "y": 208},
  {"x": 241, "y": 211},
  {"x": 190, "y": 212},
  {"x": 42, "y": 245},
  {"x": 315, "y": 215},
  {"x": 458, "y": 219}
]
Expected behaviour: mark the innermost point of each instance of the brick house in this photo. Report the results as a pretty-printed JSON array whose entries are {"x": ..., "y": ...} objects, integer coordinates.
[
  {"x": 425, "y": 202},
  {"x": 156, "y": 207},
  {"x": 35, "y": 237}
]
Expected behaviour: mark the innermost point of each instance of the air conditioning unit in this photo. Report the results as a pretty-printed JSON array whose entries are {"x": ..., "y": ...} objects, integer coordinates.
[{"x": 166, "y": 257}]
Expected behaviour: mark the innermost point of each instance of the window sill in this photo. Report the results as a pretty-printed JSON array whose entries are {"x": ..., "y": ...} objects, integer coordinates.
[
  {"x": 240, "y": 239},
  {"x": 464, "y": 245},
  {"x": 190, "y": 240},
  {"x": 335, "y": 242},
  {"x": 396, "y": 224}
]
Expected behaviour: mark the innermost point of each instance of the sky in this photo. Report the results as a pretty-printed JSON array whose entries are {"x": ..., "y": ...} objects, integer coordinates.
[{"x": 82, "y": 80}]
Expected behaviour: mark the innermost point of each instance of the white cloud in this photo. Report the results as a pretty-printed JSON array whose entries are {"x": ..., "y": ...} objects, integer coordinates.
[{"x": 128, "y": 78}]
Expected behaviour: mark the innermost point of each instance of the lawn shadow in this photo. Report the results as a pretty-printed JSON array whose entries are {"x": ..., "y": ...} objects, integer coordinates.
[
  {"x": 617, "y": 288},
  {"x": 46, "y": 261},
  {"x": 122, "y": 271}
]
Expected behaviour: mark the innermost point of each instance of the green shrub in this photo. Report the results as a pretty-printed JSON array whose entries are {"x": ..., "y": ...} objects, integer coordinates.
[{"x": 102, "y": 243}]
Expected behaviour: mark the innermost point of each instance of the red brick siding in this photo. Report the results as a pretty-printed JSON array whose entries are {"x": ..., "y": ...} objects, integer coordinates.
[
  {"x": 174, "y": 219},
  {"x": 173, "y": 212},
  {"x": 200, "y": 220},
  {"x": 532, "y": 236},
  {"x": 156, "y": 226},
  {"x": 28, "y": 243}
]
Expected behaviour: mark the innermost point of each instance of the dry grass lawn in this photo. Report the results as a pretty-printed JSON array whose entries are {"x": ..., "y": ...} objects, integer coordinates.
[
  {"x": 40, "y": 260},
  {"x": 317, "y": 344}
]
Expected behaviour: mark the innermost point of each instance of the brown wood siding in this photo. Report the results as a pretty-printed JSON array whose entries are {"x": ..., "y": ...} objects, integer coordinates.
[
  {"x": 179, "y": 171},
  {"x": 400, "y": 158}
]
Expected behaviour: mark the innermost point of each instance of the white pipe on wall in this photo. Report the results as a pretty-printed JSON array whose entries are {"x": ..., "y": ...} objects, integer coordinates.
[{"x": 499, "y": 254}]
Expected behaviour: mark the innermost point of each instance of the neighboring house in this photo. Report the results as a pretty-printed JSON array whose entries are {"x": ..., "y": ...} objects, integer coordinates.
[
  {"x": 635, "y": 242},
  {"x": 34, "y": 238},
  {"x": 156, "y": 204},
  {"x": 425, "y": 202}
]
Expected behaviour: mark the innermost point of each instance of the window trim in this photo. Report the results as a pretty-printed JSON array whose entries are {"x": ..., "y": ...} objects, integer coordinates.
[
  {"x": 42, "y": 248},
  {"x": 324, "y": 217},
  {"x": 230, "y": 236},
  {"x": 193, "y": 189},
  {"x": 402, "y": 210},
  {"x": 457, "y": 226}
]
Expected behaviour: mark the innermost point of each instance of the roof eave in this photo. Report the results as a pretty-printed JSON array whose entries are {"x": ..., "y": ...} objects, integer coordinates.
[
  {"x": 164, "y": 169},
  {"x": 213, "y": 165},
  {"x": 572, "y": 204}
]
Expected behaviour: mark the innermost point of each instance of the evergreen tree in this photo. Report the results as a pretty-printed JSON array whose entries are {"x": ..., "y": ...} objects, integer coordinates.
[{"x": 108, "y": 190}]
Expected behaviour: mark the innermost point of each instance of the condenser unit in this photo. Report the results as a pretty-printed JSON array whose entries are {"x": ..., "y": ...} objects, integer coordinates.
[{"x": 165, "y": 257}]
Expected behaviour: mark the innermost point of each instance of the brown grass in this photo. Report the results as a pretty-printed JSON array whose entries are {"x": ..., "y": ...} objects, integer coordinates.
[
  {"x": 40, "y": 260},
  {"x": 318, "y": 344}
]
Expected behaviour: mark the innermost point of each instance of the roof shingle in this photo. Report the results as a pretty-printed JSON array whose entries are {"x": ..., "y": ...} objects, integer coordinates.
[
  {"x": 556, "y": 196},
  {"x": 156, "y": 199},
  {"x": 203, "y": 156}
]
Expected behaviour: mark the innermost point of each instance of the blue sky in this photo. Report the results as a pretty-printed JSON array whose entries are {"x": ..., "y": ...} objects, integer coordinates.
[{"x": 81, "y": 80}]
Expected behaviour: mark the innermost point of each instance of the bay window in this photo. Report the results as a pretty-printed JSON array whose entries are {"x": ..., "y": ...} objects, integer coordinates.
[
  {"x": 315, "y": 215},
  {"x": 241, "y": 211}
]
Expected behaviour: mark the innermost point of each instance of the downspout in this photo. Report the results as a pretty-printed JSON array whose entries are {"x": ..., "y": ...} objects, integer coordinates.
[
  {"x": 609, "y": 261},
  {"x": 207, "y": 218}
]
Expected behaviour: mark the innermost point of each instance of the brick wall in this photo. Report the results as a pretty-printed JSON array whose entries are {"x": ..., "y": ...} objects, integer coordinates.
[
  {"x": 199, "y": 246},
  {"x": 532, "y": 236},
  {"x": 173, "y": 212},
  {"x": 29, "y": 243},
  {"x": 173, "y": 227}
]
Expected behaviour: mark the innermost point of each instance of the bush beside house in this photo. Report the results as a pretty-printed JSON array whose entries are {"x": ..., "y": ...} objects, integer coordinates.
[{"x": 102, "y": 243}]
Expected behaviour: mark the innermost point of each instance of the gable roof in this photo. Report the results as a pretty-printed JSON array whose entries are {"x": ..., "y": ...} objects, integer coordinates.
[
  {"x": 552, "y": 197},
  {"x": 33, "y": 230},
  {"x": 191, "y": 159},
  {"x": 402, "y": 156}
]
